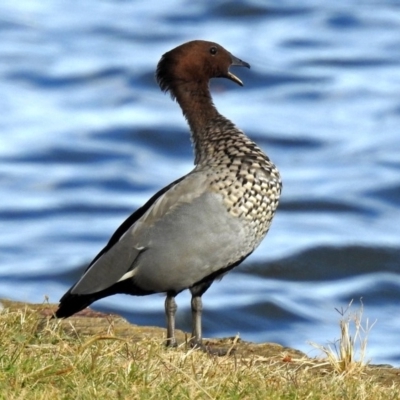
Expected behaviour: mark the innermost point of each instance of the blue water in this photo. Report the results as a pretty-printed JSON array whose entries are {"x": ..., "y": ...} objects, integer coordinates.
[{"x": 87, "y": 137}]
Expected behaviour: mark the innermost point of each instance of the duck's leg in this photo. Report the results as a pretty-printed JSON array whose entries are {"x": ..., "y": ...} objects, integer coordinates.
[
  {"x": 170, "y": 311},
  {"x": 197, "y": 309},
  {"x": 196, "y": 340}
]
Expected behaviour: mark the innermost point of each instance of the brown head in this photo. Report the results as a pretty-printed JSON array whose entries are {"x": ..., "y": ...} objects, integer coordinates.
[{"x": 196, "y": 62}]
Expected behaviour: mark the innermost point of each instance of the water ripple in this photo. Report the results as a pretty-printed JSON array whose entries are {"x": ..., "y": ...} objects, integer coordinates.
[{"x": 87, "y": 137}]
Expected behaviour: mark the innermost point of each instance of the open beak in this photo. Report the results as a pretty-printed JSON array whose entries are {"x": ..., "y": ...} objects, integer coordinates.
[{"x": 238, "y": 63}]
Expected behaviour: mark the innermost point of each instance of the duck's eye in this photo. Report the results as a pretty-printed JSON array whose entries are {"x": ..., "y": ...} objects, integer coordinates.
[{"x": 213, "y": 50}]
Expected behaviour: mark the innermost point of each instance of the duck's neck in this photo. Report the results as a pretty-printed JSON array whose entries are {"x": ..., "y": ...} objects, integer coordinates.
[
  {"x": 197, "y": 107},
  {"x": 196, "y": 104}
]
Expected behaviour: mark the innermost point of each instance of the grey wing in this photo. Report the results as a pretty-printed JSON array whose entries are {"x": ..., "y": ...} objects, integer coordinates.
[
  {"x": 116, "y": 261},
  {"x": 108, "y": 269},
  {"x": 185, "y": 235}
]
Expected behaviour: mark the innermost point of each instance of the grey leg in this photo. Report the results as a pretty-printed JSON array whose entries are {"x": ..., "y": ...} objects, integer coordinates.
[
  {"x": 170, "y": 311},
  {"x": 197, "y": 308}
]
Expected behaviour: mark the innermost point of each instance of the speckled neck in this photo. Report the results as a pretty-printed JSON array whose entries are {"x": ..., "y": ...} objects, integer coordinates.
[{"x": 198, "y": 108}]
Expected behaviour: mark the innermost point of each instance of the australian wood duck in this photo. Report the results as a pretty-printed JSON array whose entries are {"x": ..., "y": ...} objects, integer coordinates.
[{"x": 199, "y": 227}]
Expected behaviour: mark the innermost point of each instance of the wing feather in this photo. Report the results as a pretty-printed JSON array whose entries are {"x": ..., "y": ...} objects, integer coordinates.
[
  {"x": 117, "y": 257},
  {"x": 116, "y": 261}
]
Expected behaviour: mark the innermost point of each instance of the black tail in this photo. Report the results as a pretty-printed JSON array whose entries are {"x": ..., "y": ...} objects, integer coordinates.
[{"x": 73, "y": 303}]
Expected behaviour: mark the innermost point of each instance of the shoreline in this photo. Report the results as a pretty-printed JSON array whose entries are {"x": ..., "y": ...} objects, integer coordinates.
[{"x": 93, "y": 323}]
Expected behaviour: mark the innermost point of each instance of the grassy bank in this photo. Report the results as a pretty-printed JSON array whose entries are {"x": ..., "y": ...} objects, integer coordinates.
[{"x": 80, "y": 359}]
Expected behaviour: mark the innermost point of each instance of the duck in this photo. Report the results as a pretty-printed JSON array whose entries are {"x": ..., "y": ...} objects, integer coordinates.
[{"x": 201, "y": 226}]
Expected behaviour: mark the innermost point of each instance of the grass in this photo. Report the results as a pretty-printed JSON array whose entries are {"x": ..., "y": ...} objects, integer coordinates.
[
  {"x": 39, "y": 359},
  {"x": 347, "y": 355}
]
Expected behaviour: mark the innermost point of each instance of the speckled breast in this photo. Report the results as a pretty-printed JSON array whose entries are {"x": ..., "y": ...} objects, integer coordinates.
[{"x": 249, "y": 183}]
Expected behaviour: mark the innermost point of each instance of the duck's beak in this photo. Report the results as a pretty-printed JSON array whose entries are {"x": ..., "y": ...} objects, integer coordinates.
[{"x": 238, "y": 63}]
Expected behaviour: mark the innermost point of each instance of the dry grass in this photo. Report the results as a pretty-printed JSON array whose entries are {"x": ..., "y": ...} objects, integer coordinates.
[
  {"x": 48, "y": 363},
  {"x": 347, "y": 355}
]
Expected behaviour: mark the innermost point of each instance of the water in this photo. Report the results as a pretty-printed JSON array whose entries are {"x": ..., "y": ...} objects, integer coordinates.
[{"x": 86, "y": 137}]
